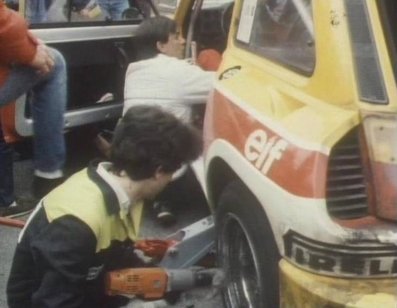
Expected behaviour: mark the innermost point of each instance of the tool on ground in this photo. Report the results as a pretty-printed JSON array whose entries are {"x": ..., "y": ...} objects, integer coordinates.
[
  {"x": 179, "y": 252},
  {"x": 156, "y": 282},
  {"x": 193, "y": 243}
]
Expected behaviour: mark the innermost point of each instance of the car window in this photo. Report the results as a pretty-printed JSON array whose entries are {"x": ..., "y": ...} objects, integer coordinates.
[
  {"x": 42, "y": 12},
  {"x": 281, "y": 30}
]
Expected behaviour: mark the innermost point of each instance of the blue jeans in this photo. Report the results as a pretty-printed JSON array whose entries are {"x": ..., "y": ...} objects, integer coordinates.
[
  {"x": 113, "y": 9},
  {"x": 36, "y": 10},
  {"x": 48, "y": 102},
  {"x": 6, "y": 173}
]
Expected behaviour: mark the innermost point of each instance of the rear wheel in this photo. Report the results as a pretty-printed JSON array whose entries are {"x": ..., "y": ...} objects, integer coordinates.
[{"x": 246, "y": 250}]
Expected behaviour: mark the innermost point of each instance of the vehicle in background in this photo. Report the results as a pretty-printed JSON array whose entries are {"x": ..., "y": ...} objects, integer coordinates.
[
  {"x": 301, "y": 149},
  {"x": 97, "y": 51}
]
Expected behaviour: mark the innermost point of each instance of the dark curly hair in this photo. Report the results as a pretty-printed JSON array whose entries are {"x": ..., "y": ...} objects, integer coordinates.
[
  {"x": 150, "y": 31},
  {"x": 148, "y": 138}
]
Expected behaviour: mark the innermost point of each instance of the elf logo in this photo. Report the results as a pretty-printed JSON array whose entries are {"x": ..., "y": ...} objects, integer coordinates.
[{"x": 263, "y": 151}]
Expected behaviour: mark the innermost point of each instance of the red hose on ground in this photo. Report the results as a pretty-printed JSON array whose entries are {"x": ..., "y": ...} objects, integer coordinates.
[{"x": 16, "y": 223}]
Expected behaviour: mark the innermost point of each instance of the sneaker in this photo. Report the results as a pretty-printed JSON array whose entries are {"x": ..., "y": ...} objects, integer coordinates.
[
  {"x": 164, "y": 214},
  {"x": 20, "y": 207}
]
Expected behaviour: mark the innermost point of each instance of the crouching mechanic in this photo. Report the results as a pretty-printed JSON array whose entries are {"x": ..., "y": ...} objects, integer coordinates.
[{"x": 87, "y": 226}]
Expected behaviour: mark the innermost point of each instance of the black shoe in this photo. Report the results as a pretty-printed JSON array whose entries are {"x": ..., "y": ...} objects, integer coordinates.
[
  {"x": 42, "y": 186},
  {"x": 164, "y": 214},
  {"x": 23, "y": 206}
]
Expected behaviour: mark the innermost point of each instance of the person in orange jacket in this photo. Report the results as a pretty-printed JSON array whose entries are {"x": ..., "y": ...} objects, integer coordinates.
[{"x": 27, "y": 65}]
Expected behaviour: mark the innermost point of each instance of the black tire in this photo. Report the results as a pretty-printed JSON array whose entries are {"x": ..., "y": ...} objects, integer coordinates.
[{"x": 246, "y": 250}]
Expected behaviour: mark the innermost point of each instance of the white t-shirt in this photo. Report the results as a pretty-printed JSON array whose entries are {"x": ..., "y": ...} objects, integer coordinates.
[{"x": 168, "y": 82}]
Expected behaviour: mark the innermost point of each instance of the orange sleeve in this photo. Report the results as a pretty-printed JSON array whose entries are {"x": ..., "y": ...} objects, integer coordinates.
[{"x": 17, "y": 43}]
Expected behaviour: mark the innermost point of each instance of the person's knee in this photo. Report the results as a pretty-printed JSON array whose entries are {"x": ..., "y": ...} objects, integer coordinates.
[
  {"x": 59, "y": 59},
  {"x": 59, "y": 72}
]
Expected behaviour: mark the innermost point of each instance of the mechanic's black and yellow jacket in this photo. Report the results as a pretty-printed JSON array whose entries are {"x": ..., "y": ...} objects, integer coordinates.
[{"x": 77, "y": 234}]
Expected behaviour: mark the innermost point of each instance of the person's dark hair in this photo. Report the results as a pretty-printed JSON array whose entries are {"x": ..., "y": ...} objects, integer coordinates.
[
  {"x": 148, "y": 138},
  {"x": 150, "y": 31}
]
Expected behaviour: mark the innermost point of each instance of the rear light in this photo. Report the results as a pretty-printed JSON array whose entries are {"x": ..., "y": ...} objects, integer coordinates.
[{"x": 381, "y": 137}]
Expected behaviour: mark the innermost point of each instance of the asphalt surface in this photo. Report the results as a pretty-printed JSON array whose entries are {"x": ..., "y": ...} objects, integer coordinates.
[{"x": 80, "y": 152}]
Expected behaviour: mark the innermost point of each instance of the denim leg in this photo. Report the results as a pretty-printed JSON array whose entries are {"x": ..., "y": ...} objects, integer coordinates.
[
  {"x": 48, "y": 107},
  {"x": 117, "y": 8},
  {"x": 113, "y": 8},
  {"x": 105, "y": 8},
  {"x": 6, "y": 173},
  {"x": 36, "y": 11},
  {"x": 20, "y": 80}
]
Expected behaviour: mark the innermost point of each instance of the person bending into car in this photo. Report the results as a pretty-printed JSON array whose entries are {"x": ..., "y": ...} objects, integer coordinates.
[
  {"x": 87, "y": 226},
  {"x": 160, "y": 77},
  {"x": 29, "y": 66}
]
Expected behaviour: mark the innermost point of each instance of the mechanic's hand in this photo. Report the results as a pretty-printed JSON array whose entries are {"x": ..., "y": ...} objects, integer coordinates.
[{"x": 42, "y": 61}]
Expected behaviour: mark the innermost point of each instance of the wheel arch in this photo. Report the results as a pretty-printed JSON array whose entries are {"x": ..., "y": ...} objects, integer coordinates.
[{"x": 219, "y": 175}]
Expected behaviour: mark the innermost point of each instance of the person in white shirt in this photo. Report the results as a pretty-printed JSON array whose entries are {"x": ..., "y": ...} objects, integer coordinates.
[{"x": 161, "y": 77}]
